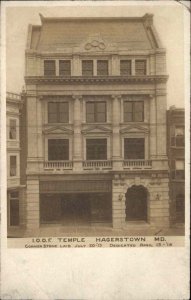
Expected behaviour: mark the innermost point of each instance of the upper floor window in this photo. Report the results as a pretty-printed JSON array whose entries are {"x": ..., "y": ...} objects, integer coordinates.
[
  {"x": 125, "y": 67},
  {"x": 102, "y": 67},
  {"x": 134, "y": 148},
  {"x": 64, "y": 67},
  {"x": 87, "y": 67},
  {"x": 58, "y": 149},
  {"x": 178, "y": 169},
  {"x": 178, "y": 139},
  {"x": 58, "y": 112},
  {"x": 49, "y": 67},
  {"x": 96, "y": 149},
  {"x": 140, "y": 67},
  {"x": 12, "y": 129},
  {"x": 133, "y": 111},
  {"x": 13, "y": 165},
  {"x": 95, "y": 112}
]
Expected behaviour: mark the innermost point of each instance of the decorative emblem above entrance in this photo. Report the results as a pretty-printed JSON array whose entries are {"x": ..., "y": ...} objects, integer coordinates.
[{"x": 95, "y": 44}]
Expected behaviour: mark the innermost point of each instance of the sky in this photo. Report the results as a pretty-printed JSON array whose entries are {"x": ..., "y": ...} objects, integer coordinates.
[{"x": 168, "y": 21}]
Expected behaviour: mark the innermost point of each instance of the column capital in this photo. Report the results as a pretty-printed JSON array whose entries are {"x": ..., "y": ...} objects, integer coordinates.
[
  {"x": 77, "y": 97},
  {"x": 116, "y": 97}
]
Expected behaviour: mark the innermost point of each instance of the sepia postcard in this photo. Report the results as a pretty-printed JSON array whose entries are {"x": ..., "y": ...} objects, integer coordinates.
[{"x": 95, "y": 150}]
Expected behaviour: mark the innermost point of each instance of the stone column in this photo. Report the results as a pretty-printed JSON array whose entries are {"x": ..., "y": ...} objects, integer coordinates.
[
  {"x": 116, "y": 142},
  {"x": 77, "y": 142},
  {"x": 153, "y": 127},
  {"x": 32, "y": 207}
]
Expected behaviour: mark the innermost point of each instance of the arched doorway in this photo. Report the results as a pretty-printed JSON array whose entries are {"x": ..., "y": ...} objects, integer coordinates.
[{"x": 136, "y": 203}]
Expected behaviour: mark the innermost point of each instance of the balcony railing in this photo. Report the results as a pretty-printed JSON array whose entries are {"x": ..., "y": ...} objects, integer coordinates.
[
  {"x": 58, "y": 165},
  {"x": 97, "y": 164},
  {"x": 137, "y": 164}
]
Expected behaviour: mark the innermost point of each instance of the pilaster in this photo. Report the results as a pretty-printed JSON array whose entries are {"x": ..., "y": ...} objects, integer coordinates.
[
  {"x": 77, "y": 142},
  {"x": 116, "y": 143}
]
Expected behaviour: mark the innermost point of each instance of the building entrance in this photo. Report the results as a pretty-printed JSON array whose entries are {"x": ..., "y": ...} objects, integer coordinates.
[
  {"x": 136, "y": 204},
  {"x": 75, "y": 208}
]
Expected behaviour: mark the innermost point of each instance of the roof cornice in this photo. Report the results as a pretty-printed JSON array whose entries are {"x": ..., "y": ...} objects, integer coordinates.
[{"x": 93, "y": 80}]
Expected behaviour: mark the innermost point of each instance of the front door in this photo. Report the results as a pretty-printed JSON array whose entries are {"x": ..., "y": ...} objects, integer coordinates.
[{"x": 136, "y": 204}]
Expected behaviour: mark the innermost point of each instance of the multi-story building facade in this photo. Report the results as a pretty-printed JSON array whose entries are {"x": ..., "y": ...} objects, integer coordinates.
[
  {"x": 176, "y": 154},
  {"x": 96, "y": 123},
  {"x": 15, "y": 188}
]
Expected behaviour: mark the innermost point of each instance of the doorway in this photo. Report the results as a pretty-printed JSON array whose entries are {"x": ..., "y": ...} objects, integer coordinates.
[{"x": 136, "y": 203}]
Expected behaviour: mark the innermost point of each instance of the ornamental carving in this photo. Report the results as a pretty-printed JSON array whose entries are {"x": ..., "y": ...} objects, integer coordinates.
[{"x": 95, "y": 45}]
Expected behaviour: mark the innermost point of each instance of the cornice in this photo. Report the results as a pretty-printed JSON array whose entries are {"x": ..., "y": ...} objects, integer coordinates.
[{"x": 92, "y": 80}]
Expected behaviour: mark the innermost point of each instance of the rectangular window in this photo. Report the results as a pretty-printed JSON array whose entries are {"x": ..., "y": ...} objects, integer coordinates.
[
  {"x": 179, "y": 165},
  {"x": 102, "y": 67},
  {"x": 134, "y": 148},
  {"x": 96, "y": 149},
  {"x": 13, "y": 166},
  {"x": 125, "y": 67},
  {"x": 58, "y": 112},
  {"x": 58, "y": 149},
  {"x": 49, "y": 67},
  {"x": 87, "y": 67},
  {"x": 64, "y": 67},
  {"x": 12, "y": 129},
  {"x": 95, "y": 112},
  {"x": 140, "y": 67},
  {"x": 133, "y": 111},
  {"x": 14, "y": 208}
]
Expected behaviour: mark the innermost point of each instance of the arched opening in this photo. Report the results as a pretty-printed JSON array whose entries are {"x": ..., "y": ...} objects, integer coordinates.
[{"x": 136, "y": 203}]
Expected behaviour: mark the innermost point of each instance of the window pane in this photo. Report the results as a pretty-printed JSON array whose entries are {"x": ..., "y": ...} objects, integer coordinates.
[
  {"x": 13, "y": 165},
  {"x": 128, "y": 111},
  {"x": 87, "y": 67},
  {"x": 14, "y": 212},
  {"x": 102, "y": 67},
  {"x": 65, "y": 68},
  {"x": 90, "y": 112},
  {"x": 101, "y": 106},
  {"x": 58, "y": 149},
  {"x": 100, "y": 112},
  {"x": 96, "y": 149},
  {"x": 63, "y": 112},
  {"x": 125, "y": 67},
  {"x": 134, "y": 148},
  {"x": 12, "y": 129},
  {"x": 138, "y": 111},
  {"x": 140, "y": 67},
  {"x": 49, "y": 68}
]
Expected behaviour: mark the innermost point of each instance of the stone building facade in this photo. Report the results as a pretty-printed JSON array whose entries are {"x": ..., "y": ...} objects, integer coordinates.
[
  {"x": 15, "y": 188},
  {"x": 176, "y": 154},
  {"x": 96, "y": 123}
]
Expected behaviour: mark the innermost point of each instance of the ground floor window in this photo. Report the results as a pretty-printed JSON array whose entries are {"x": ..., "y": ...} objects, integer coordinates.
[
  {"x": 136, "y": 204},
  {"x": 134, "y": 148},
  {"x": 14, "y": 209},
  {"x": 75, "y": 208},
  {"x": 96, "y": 149}
]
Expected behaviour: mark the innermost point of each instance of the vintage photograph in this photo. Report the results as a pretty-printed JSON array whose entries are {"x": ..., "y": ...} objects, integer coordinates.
[{"x": 95, "y": 122}]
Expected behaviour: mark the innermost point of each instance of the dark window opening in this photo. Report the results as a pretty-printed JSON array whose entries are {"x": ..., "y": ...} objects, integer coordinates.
[
  {"x": 13, "y": 165},
  {"x": 134, "y": 148},
  {"x": 12, "y": 129},
  {"x": 14, "y": 208},
  {"x": 140, "y": 67},
  {"x": 65, "y": 68},
  {"x": 87, "y": 67},
  {"x": 95, "y": 112},
  {"x": 133, "y": 111},
  {"x": 58, "y": 112},
  {"x": 102, "y": 67},
  {"x": 58, "y": 149},
  {"x": 49, "y": 68},
  {"x": 96, "y": 149},
  {"x": 125, "y": 67}
]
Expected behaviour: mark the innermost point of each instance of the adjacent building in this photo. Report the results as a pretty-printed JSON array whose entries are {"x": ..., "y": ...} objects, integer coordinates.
[
  {"x": 15, "y": 189},
  {"x": 96, "y": 123},
  {"x": 176, "y": 154}
]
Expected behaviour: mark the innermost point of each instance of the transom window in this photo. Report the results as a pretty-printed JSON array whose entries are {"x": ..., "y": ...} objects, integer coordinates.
[
  {"x": 64, "y": 67},
  {"x": 96, "y": 149},
  {"x": 87, "y": 67},
  {"x": 13, "y": 165},
  {"x": 125, "y": 67},
  {"x": 95, "y": 112},
  {"x": 58, "y": 149},
  {"x": 140, "y": 67},
  {"x": 12, "y": 129},
  {"x": 133, "y": 111},
  {"x": 134, "y": 148},
  {"x": 49, "y": 67},
  {"x": 102, "y": 67},
  {"x": 58, "y": 112}
]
